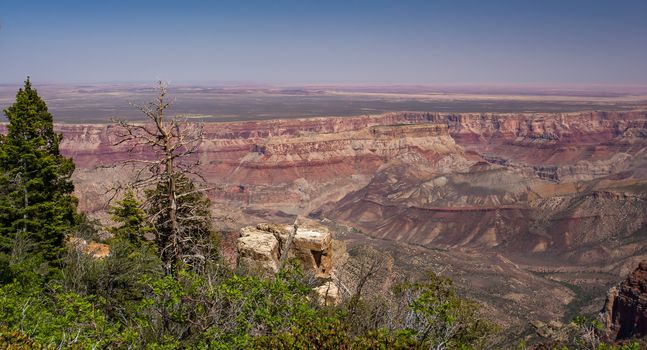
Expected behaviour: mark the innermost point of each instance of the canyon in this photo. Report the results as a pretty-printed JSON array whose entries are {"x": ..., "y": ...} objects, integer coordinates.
[{"x": 535, "y": 215}]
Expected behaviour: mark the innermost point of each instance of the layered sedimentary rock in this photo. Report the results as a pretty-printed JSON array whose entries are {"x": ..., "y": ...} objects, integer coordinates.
[
  {"x": 491, "y": 206},
  {"x": 258, "y": 250},
  {"x": 544, "y": 199},
  {"x": 523, "y": 182},
  {"x": 625, "y": 309},
  {"x": 283, "y": 170},
  {"x": 328, "y": 293},
  {"x": 325, "y": 157},
  {"x": 554, "y": 146}
]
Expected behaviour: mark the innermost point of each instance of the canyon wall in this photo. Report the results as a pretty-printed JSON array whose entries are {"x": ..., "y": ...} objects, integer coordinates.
[
  {"x": 523, "y": 183},
  {"x": 625, "y": 309},
  {"x": 531, "y": 213}
]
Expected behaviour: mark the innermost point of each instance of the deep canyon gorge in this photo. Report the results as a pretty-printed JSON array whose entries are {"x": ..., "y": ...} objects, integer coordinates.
[{"x": 535, "y": 215}]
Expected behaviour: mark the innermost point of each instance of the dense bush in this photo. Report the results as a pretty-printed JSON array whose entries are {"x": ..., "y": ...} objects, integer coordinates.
[{"x": 126, "y": 300}]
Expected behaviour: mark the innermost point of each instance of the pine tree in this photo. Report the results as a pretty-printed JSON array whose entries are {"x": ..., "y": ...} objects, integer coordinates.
[
  {"x": 131, "y": 219},
  {"x": 36, "y": 202},
  {"x": 195, "y": 243}
]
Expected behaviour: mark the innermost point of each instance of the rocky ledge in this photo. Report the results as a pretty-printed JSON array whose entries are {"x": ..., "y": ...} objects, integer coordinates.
[
  {"x": 265, "y": 246},
  {"x": 625, "y": 310}
]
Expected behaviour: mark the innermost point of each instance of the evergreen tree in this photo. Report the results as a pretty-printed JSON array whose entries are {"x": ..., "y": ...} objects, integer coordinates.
[
  {"x": 36, "y": 205},
  {"x": 131, "y": 219},
  {"x": 195, "y": 243}
]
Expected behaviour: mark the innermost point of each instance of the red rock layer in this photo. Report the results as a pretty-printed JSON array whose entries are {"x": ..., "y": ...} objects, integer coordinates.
[
  {"x": 626, "y": 306},
  {"x": 504, "y": 171}
]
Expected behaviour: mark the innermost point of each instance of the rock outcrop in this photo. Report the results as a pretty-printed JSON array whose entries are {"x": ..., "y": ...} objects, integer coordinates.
[
  {"x": 625, "y": 309},
  {"x": 265, "y": 246},
  {"x": 258, "y": 250},
  {"x": 562, "y": 195},
  {"x": 328, "y": 293}
]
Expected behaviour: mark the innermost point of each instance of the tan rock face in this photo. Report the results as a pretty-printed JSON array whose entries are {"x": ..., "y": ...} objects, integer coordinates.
[
  {"x": 263, "y": 246},
  {"x": 328, "y": 294},
  {"x": 258, "y": 250},
  {"x": 312, "y": 245}
]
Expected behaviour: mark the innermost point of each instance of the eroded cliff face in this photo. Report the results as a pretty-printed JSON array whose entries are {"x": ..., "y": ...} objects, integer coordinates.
[
  {"x": 275, "y": 169},
  {"x": 530, "y": 183},
  {"x": 625, "y": 310},
  {"x": 265, "y": 247},
  {"x": 547, "y": 199}
]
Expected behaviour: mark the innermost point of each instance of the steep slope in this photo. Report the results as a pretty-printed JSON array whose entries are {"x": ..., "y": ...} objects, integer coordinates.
[
  {"x": 625, "y": 309},
  {"x": 542, "y": 184},
  {"x": 550, "y": 202}
]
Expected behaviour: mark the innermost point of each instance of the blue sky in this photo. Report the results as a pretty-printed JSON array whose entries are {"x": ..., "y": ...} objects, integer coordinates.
[{"x": 308, "y": 41}]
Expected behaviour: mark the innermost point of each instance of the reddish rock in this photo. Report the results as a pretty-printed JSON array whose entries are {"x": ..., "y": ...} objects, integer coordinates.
[
  {"x": 540, "y": 182},
  {"x": 564, "y": 191},
  {"x": 626, "y": 306}
]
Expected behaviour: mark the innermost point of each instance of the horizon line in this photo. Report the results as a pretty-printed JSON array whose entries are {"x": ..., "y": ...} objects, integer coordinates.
[{"x": 210, "y": 83}]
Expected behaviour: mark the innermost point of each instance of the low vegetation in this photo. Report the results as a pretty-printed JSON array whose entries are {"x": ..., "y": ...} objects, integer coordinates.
[{"x": 163, "y": 284}]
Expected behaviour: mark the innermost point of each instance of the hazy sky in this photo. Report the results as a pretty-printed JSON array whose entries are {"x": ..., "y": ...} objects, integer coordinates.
[{"x": 308, "y": 41}]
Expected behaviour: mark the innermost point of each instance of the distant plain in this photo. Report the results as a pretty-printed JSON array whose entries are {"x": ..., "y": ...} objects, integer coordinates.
[{"x": 100, "y": 103}]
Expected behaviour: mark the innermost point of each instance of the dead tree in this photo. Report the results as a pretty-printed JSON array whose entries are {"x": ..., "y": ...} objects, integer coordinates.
[
  {"x": 364, "y": 267},
  {"x": 163, "y": 152},
  {"x": 285, "y": 250}
]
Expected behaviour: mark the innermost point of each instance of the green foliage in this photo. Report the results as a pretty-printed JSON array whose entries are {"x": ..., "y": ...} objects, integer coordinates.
[
  {"x": 423, "y": 314},
  {"x": 583, "y": 321},
  {"x": 86, "y": 228},
  {"x": 195, "y": 244},
  {"x": 331, "y": 333},
  {"x": 628, "y": 346},
  {"x": 14, "y": 340},
  {"x": 36, "y": 205},
  {"x": 586, "y": 333},
  {"x": 56, "y": 318},
  {"x": 268, "y": 306},
  {"x": 322, "y": 333},
  {"x": 131, "y": 219},
  {"x": 117, "y": 278},
  {"x": 383, "y": 340},
  {"x": 428, "y": 312},
  {"x": 125, "y": 299},
  {"x": 441, "y": 317}
]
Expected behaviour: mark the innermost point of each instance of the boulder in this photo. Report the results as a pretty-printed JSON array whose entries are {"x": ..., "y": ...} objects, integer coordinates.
[
  {"x": 258, "y": 250},
  {"x": 312, "y": 245},
  {"x": 93, "y": 249},
  {"x": 328, "y": 294}
]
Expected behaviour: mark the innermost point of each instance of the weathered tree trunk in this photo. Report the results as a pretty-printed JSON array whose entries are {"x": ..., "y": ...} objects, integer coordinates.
[
  {"x": 172, "y": 209},
  {"x": 174, "y": 141}
]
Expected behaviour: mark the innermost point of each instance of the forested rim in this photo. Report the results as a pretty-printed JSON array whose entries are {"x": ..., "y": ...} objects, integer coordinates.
[{"x": 163, "y": 284}]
